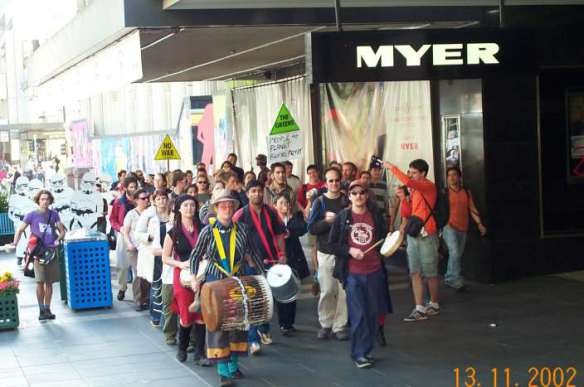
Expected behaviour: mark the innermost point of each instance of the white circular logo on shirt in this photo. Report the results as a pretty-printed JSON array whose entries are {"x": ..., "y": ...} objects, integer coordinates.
[{"x": 361, "y": 234}]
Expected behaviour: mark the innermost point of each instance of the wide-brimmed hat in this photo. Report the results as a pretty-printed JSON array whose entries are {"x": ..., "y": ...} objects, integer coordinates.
[{"x": 223, "y": 195}]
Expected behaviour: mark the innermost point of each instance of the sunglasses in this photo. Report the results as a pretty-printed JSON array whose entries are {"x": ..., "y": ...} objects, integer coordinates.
[{"x": 356, "y": 193}]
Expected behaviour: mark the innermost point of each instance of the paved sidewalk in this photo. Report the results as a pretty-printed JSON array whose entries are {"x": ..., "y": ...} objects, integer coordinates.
[{"x": 538, "y": 323}]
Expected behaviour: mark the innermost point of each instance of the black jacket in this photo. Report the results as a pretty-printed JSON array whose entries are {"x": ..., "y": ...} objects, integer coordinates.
[
  {"x": 296, "y": 227},
  {"x": 339, "y": 240}
]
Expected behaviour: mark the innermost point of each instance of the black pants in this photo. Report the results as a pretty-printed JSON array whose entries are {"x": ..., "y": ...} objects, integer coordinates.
[{"x": 286, "y": 314}]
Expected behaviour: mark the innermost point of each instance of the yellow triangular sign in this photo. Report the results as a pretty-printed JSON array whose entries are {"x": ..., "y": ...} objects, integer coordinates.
[{"x": 167, "y": 150}]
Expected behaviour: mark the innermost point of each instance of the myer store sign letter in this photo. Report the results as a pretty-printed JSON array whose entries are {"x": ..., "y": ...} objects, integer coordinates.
[{"x": 442, "y": 54}]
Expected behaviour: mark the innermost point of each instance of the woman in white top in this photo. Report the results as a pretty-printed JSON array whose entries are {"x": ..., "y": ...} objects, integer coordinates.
[
  {"x": 140, "y": 286},
  {"x": 152, "y": 226}
]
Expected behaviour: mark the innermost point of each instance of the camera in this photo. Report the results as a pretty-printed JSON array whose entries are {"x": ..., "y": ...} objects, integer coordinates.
[{"x": 376, "y": 162}]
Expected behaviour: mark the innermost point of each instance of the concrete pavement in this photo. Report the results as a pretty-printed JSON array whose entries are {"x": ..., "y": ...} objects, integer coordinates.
[{"x": 531, "y": 323}]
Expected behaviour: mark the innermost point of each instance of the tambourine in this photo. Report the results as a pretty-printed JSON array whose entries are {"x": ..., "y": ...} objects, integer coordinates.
[{"x": 391, "y": 243}]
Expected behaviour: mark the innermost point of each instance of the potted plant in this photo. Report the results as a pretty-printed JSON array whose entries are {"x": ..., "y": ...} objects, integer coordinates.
[{"x": 8, "y": 302}]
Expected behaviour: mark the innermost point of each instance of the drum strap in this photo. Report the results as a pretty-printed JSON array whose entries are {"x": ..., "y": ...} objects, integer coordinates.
[
  {"x": 221, "y": 250},
  {"x": 260, "y": 230}
]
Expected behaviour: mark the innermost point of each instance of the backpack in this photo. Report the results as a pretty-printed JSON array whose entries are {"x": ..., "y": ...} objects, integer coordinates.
[{"x": 442, "y": 208}]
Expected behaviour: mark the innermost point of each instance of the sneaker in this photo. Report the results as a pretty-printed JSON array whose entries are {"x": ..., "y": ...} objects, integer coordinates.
[
  {"x": 121, "y": 295},
  {"x": 461, "y": 289},
  {"x": 265, "y": 338},
  {"x": 363, "y": 362},
  {"x": 432, "y": 311},
  {"x": 225, "y": 381},
  {"x": 416, "y": 315},
  {"x": 342, "y": 335},
  {"x": 371, "y": 359},
  {"x": 285, "y": 331},
  {"x": 254, "y": 348},
  {"x": 171, "y": 341},
  {"x": 155, "y": 324},
  {"x": 238, "y": 375},
  {"x": 324, "y": 333},
  {"x": 141, "y": 308},
  {"x": 191, "y": 348},
  {"x": 181, "y": 355},
  {"x": 202, "y": 361}
]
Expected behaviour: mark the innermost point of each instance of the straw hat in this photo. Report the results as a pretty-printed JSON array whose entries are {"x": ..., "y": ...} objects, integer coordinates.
[{"x": 223, "y": 195}]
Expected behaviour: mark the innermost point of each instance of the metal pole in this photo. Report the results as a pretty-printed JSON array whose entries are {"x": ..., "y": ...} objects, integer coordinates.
[
  {"x": 501, "y": 15},
  {"x": 338, "y": 15}
]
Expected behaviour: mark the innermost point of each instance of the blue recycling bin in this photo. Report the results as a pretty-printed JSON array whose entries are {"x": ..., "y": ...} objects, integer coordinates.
[{"x": 88, "y": 274}]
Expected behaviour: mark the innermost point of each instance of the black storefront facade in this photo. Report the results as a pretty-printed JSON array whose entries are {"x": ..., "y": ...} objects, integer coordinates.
[{"x": 518, "y": 160}]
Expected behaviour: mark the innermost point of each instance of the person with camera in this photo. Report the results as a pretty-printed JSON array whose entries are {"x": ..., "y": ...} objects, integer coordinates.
[
  {"x": 422, "y": 236},
  {"x": 46, "y": 227},
  {"x": 332, "y": 304}
]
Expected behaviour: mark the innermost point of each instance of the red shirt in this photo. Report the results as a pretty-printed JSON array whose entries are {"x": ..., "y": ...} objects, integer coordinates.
[
  {"x": 304, "y": 188},
  {"x": 362, "y": 236},
  {"x": 460, "y": 203}
]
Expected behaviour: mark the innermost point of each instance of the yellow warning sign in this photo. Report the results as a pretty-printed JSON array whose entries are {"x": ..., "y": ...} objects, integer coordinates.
[{"x": 167, "y": 150}]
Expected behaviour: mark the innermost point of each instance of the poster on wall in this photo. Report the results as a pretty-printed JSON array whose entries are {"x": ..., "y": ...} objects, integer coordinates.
[
  {"x": 203, "y": 130},
  {"x": 451, "y": 141},
  {"x": 575, "y": 123}
]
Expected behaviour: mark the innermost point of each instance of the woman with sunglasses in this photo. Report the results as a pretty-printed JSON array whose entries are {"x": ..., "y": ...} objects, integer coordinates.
[
  {"x": 203, "y": 190},
  {"x": 178, "y": 244},
  {"x": 140, "y": 286},
  {"x": 150, "y": 232},
  {"x": 360, "y": 269}
]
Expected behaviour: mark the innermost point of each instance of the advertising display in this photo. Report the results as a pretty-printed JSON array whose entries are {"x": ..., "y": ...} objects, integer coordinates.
[{"x": 575, "y": 122}]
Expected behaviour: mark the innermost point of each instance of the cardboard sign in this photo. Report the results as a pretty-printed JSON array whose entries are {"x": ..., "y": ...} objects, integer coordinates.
[
  {"x": 167, "y": 150},
  {"x": 285, "y": 141}
]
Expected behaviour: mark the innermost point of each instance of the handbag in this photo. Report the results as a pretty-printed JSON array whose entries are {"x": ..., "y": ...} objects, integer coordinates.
[
  {"x": 111, "y": 239},
  {"x": 28, "y": 265},
  {"x": 415, "y": 223},
  {"x": 41, "y": 252}
]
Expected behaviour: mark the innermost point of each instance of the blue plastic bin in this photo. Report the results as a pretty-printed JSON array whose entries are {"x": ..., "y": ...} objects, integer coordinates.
[
  {"x": 88, "y": 274},
  {"x": 6, "y": 225}
]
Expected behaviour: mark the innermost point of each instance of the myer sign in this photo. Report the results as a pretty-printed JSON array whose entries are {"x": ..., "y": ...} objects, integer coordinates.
[{"x": 442, "y": 54}]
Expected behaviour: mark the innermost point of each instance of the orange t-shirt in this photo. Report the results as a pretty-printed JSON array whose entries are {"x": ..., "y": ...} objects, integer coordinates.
[
  {"x": 419, "y": 207},
  {"x": 460, "y": 202}
]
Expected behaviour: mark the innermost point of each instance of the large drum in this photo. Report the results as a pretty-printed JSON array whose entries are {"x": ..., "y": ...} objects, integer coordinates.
[
  {"x": 283, "y": 283},
  {"x": 236, "y": 303}
]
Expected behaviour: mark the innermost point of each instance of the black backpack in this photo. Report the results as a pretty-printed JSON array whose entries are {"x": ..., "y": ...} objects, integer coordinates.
[{"x": 442, "y": 208}]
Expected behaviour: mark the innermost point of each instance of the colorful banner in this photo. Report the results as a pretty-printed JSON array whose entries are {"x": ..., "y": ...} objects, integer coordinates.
[{"x": 389, "y": 119}]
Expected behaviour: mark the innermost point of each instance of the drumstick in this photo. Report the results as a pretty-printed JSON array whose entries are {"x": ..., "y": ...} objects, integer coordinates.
[{"x": 374, "y": 246}]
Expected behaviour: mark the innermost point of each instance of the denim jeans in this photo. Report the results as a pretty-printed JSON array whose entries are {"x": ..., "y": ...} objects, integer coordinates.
[
  {"x": 455, "y": 241},
  {"x": 366, "y": 299}
]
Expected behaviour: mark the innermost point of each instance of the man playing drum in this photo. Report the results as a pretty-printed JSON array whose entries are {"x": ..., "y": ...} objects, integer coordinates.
[
  {"x": 226, "y": 245},
  {"x": 353, "y": 234},
  {"x": 267, "y": 236}
]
